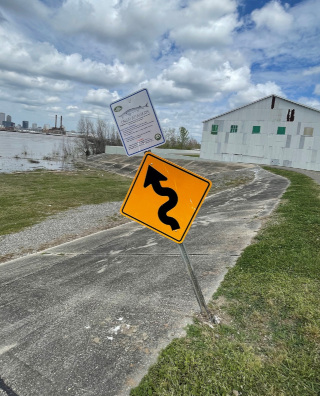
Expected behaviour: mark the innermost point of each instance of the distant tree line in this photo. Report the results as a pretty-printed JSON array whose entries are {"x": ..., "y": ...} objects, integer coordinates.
[
  {"x": 95, "y": 136},
  {"x": 179, "y": 139}
]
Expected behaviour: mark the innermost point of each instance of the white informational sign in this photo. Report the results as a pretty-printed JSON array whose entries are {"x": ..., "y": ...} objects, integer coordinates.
[{"x": 137, "y": 122}]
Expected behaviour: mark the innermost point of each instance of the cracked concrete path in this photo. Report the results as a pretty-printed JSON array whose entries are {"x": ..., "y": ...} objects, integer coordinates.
[{"x": 89, "y": 317}]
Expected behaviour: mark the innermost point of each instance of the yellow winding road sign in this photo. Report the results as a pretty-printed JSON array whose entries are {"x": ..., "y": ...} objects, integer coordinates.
[{"x": 165, "y": 197}]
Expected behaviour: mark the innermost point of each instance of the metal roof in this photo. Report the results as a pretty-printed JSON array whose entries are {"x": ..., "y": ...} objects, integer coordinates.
[{"x": 259, "y": 100}]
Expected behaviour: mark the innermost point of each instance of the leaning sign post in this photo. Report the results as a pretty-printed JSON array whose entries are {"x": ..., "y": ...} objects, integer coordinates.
[
  {"x": 166, "y": 198},
  {"x": 163, "y": 196}
]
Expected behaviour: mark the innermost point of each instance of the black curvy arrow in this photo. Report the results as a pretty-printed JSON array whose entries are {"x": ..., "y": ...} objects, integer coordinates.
[{"x": 154, "y": 177}]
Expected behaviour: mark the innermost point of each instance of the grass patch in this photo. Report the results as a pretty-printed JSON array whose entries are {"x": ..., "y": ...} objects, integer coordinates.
[
  {"x": 268, "y": 342},
  {"x": 191, "y": 155},
  {"x": 29, "y": 197}
]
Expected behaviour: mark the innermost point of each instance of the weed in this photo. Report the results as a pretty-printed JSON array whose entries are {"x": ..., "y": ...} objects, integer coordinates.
[
  {"x": 269, "y": 340},
  {"x": 29, "y": 197}
]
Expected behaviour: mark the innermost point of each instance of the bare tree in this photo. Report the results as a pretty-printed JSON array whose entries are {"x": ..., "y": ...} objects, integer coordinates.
[
  {"x": 99, "y": 138},
  {"x": 113, "y": 138},
  {"x": 95, "y": 137},
  {"x": 86, "y": 130},
  {"x": 193, "y": 144},
  {"x": 171, "y": 138}
]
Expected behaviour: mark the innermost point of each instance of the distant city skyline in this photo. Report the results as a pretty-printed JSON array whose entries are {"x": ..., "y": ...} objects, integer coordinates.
[
  {"x": 197, "y": 58},
  {"x": 5, "y": 117}
]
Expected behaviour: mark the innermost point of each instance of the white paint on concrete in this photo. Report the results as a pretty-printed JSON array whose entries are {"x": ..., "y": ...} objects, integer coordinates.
[{"x": 6, "y": 348}]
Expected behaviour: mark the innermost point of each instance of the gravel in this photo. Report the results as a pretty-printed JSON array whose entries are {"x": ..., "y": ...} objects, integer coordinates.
[
  {"x": 87, "y": 219},
  {"x": 59, "y": 228}
]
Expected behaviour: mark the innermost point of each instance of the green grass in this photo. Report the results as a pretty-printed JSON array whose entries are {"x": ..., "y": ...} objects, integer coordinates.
[
  {"x": 268, "y": 342},
  {"x": 29, "y": 197}
]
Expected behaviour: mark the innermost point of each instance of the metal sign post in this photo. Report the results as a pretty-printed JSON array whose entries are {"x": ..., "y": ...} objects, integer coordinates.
[
  {"x": 196, "y": 287},
  {"x": 156, "y": 178},
  {"x": 161, "y": 187}
]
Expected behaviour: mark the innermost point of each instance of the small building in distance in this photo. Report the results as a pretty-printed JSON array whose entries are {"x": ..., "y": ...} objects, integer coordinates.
[
  {"x": 269, "y": 131},
  {"x": 55, "y": 130},
  {"x": 8, "y": 125}
]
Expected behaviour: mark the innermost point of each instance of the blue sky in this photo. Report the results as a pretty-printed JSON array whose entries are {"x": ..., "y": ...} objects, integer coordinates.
[{"x": 198, "y": 58}]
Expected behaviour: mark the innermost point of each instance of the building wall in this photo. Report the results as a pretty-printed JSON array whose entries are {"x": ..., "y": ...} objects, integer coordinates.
[{"x": 296, "y": 148}]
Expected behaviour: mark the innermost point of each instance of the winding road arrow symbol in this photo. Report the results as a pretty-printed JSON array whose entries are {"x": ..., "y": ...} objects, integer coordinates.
[{"x": 154, "y": 178}]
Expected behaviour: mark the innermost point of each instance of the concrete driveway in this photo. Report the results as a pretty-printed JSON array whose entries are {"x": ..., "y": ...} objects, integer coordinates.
[{"x": 90, "y": 316}]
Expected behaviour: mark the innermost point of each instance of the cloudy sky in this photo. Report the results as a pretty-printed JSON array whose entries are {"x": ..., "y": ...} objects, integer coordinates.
[{"x": 197, "y": 58}]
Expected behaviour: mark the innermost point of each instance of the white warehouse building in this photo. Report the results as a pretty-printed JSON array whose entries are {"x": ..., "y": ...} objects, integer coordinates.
[{"x": 270, "y": 131}]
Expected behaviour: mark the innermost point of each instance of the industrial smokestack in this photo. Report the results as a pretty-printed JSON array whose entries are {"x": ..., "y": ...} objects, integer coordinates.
[
  {"x": 55, "y": 123},
  {"x": 61, "y": 122}
]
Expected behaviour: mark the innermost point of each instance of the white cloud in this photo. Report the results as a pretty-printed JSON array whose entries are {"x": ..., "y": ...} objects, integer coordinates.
[
  {"x": 43, "y": 60},
  {"x": 54, "y": 108},
  {"x": 284, "y": 39},
  {"x": 207, "y": 35},
  {"x": 255, "y": 92},
  {"x": 131, "y": 27},
  {"x": 19, "y": 80},
  {"x": 315, "y": 103},
  {"x": 165, "y": 121},
  {"x": 306, "y": 17},
  {"x": 193, "y": 55},
  {"x": 205, "y": 24},
  {"x": 274, "y": 17},
  {"x": 165, "y": 91},
  {"x": 30, "y": 99},
  {"x": 29, "y": 107},
  {"x": 72, "y": 115},
  {"x": 311, "y": 71},
  {"x": 52, "y": 99},
  {"x": 30, "y": 8},
  {"x": 317, "y": 89},
  {"x": 187, "y": 80},
  {"x": 201, "y": 10},
  {"x": 101, "y": 97}
]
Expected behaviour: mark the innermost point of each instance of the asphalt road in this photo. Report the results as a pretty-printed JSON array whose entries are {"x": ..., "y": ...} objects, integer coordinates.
[{"x": 90, "y": 316}]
